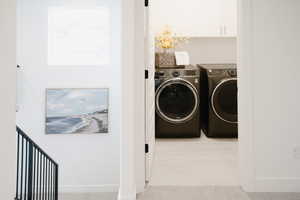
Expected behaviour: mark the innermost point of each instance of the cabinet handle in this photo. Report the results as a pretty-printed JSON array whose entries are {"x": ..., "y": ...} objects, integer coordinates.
[
  {"x": 221, "y": 30},
  {"x": 225, "y": 30}
]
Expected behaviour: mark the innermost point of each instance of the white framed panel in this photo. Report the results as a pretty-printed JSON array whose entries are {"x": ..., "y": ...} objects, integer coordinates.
[{"x": 79, "y": 36}]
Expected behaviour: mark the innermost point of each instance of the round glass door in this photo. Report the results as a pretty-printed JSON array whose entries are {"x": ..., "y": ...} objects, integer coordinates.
[
  {"x": 176, "y": 101},
  {"x": 224, "y": 101}
]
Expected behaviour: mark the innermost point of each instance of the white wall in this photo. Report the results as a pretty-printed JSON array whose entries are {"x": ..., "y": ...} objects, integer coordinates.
[
  {"x": 270, "y": 52},
  {"x": 7, "y": 100},
  {"x": 87, "y": 163},
  {"x": 211, "y": 50}
]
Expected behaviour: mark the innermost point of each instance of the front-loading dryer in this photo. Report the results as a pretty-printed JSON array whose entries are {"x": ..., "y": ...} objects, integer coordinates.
[
  {"x": 218, "y": 94},
  {"x": 177, "y": 103}
]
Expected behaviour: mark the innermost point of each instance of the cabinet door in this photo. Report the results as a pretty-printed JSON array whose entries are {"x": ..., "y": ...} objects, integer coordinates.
[
  {"x": 199, "y": 18},
  {"x": 229, "y": 17}
]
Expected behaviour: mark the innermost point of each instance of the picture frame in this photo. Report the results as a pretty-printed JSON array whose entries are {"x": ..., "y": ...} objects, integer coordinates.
[{"x": 77, "y": 111}]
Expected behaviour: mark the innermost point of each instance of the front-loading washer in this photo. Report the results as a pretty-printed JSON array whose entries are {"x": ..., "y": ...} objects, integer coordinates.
[{"x": 177, "y": 103}]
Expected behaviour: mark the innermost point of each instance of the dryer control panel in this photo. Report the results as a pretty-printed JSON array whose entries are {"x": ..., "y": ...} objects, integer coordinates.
[{"x": 232, "y": 72}]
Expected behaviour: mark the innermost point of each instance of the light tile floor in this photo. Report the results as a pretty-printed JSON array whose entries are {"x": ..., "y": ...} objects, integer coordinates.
[
  {"x": 195, "y": 162},
  {"x": 210, "y": 193}
]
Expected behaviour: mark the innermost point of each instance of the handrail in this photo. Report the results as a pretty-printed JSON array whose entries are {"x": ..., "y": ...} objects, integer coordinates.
[
  {"x": 36, "y": 146},
  {"x": 37, "y": 172}
]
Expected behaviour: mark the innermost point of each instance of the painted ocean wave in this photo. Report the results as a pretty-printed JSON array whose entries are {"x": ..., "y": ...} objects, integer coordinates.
[{"x": 65, "y": 125}]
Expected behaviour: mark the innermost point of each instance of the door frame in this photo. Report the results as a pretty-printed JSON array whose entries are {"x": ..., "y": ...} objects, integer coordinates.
[
  {"x": 131, "y": 159},
  {"x": 8, "y": 68}
]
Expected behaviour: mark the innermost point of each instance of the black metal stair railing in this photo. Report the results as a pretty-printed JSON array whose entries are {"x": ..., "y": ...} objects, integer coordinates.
[{"x": 37, "y": 172}]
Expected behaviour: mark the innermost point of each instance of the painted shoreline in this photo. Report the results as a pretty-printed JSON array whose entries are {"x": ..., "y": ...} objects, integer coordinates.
[{"x": 80, "y": 124}]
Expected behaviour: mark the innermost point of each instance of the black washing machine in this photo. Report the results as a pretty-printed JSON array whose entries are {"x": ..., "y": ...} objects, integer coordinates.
[
  {"x": 177, "y": 103},
  {"x": 218, "y": 94}
]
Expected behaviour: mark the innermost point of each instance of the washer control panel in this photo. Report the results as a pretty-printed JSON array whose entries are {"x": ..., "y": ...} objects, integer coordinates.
[
  {"x": 190, "y": 72},
  {"x": 176, "y": 74}
]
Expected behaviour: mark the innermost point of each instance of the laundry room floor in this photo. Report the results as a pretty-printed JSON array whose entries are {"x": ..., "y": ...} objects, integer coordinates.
[
  {"x": 188, "y": 193},
  {"x": 195, "y": 162}
]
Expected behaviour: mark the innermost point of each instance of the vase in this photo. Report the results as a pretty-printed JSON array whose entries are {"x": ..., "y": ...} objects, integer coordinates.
[{"x": 165, "y": 59}]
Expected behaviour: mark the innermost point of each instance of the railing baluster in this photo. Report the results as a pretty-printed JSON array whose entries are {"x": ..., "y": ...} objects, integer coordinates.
[
  {"x": 26, "y": 170},
  {"x": 34, "y": 176},
  {"x": 22, "y": 161},
  {"x": 30, "y": 170},
  {"x": 49, "y": 179},
  {"x": 37, "y": 173},
  {"x": 41, "y": 162},
  {"x": 50, "y": 185},
  {"x": 53, "y": 192},
  {"x": 52, "y": 181},
  {"x": 18, "y": 158},
  {"x": 44, "y": 178},
  {"x": 56, "y": 182}
]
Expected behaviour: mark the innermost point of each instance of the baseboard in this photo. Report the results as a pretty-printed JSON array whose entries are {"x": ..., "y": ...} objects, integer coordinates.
[
  {"x": 129, "y": 194},
  {"x": 88, "y": 188},
  {"x": 267, "y": 184},
  {"x": 127, "y": 197}
]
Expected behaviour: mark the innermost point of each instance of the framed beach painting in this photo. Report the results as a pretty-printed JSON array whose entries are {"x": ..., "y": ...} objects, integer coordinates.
[{"x": 77, "y": 111}]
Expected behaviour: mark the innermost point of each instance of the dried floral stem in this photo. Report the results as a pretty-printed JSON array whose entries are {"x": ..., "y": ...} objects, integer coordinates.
[{"x": 168, "y": 40}]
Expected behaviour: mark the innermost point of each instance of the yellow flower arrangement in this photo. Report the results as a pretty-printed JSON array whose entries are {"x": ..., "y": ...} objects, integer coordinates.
[{"x": 168, "y": 40}]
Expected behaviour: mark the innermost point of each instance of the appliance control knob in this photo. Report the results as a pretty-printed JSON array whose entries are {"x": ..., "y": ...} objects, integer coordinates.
[
  {"x": 159, "y": 74},
  {"x": 176, "y": 74},
  {"x": 232, "y": 73}
]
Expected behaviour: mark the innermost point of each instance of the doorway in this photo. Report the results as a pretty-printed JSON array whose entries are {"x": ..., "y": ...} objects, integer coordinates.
[{"x": 197, "y": 161}]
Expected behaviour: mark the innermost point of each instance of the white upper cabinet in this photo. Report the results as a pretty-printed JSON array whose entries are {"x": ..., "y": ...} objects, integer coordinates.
[
  {"x": 229, "y": 17},
  {"x": 195, "y": 18}
]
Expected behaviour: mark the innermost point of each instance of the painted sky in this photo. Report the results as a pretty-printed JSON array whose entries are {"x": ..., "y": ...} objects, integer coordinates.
[{"x": 66, "y": 102}]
